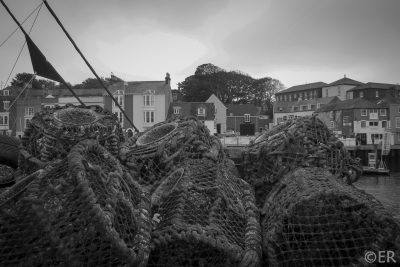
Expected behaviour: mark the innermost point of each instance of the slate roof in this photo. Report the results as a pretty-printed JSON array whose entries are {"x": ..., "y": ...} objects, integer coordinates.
[
  {"x": 372, "y": 85},
  {"x": 78, "y": 92},
  {"x": 140, "y": 87},
  {"x": 190, "y": 109},
  {"x": 345, "y": 81},
  {"x": 303, "y": 87},
  {"x": 241, "y": 109}
]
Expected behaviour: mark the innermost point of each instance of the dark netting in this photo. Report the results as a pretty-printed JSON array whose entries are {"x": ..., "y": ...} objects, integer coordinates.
[
  {"x": 312, "y": 219},
  {"x": 305, "y": 141},
  {"x": 53, "y": 132},
  {"x": 157, "y": 151},
  {"x": 6, "y": 177},
  {"x": 83, "y": 210},
  {"x": 204, "y": 216}
]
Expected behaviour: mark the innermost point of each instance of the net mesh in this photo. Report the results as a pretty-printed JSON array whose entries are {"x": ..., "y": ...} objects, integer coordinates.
[
  {"x": 161, "y": 148},
  {"x": 205, "y": 216},
  {"x": 312, "y": 219},
  {"x": 305, "y": 141},
  {"x": 53, "y": 132},
  {"x": 6, "y": 177},
  {"x": 83, "y": 210}
]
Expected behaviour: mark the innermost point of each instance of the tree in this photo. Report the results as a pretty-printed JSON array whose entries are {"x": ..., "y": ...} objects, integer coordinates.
[
  {"x": 21, "y": 79},
  {"x": 229, "y": 86},
  {"x": 90, "y": 83}
]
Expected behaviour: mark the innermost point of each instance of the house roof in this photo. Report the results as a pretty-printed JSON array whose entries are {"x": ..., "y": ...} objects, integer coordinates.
[
  {"x": 241, "y": 109},
  {"x": 214, "y": 97},
  {"x": 358, "y": 103},
  {"x": 190, "y": 109},
  {"x": 140, "y": 87},
  {"x": 303, "y": 87},
  {"x": 78, "y": 92},
  {"x": 345, "y": 81},
  {"x": 371, "y": 85},
  {"x": 287, "y": 106}
]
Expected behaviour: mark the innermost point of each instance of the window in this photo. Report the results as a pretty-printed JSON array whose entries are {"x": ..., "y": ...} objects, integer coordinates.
[
  {"x": 176, "y": 110},
  {"x": 148, "y": 100},
  {"x": 285, "y": 97},
  {"x": 376, "y": 93},
  {"x": 29, "y": 111},
  {"x": 361, "y": 94},
  {"x": 6, "y": 105},
  {"x": 6, "y": 92},
  {"x": 312, "y": 106},
  {"x": 246, "y": 117},
  {"x": 363, "y": 112},
  {"x": 331, "y": 124},
  {"x": 304, "y": 107},
  {"x": 398, "y": 137},
  {"x": 119, "y": 116},
  {"x": 374, "y": 111},
  {"x": 280, "y": 109},
  {"x": 175, "y": 97},
  {"x": 149, "y": 117},
  {"x": 27, "y": 120},
  {"x": 290, "y": 97},
  {"x": 291, "y": 117},
  {"x": 382, "y": 112},
  {"x": 384, "y": 124},
  {"x": 4, "y": 120},
  {"x": 397, "y": 122},
  {"x": 284, "y": 118},
  {"x": 363, "y": 124},
  {"x": 49, "y": 106},
  {"x": 373, "y": 123},
  {"x": 201, "y": 111},
  {"x": 295, "y": 108},
  {"x": 331, "y": 114},
  {"x": 320, "y": 105}
]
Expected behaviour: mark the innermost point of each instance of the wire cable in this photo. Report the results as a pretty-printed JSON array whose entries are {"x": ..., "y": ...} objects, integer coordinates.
[
  {"x": 22, "y": 48},
  {"x": 16, "y": 29}
]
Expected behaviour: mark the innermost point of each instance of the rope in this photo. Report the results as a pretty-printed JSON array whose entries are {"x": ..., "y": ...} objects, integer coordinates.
[
  {"x": 88, "y": 64},
  {"x": 23, "y": 46},
  {"x": 23, "y": 90},
  {"x": 16, "y": 29}
]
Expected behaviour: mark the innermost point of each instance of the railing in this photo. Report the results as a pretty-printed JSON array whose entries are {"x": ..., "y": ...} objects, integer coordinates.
[
  {"x": 348, "y": 141},
  {"x": 236, "y": 140}
]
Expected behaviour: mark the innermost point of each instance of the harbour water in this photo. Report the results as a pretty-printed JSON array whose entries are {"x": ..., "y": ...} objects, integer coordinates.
[{"x": 385, "y": 188}]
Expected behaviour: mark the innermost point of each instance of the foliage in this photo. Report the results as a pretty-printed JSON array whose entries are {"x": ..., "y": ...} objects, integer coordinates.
[
  {"x": 23, "y": 78},
  {"x": 90, "y": 83},
  {"x": 229, "y": 86}
]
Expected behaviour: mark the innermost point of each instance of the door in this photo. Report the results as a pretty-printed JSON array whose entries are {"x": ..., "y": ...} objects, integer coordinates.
[
  {"x": 218, "y": 128},
  {"x": 362, "y": 139}
]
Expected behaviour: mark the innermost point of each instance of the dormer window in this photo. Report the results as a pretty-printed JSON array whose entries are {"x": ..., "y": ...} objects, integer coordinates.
[
  {"x": 6, "y": 92},
  {"x": 201, "y": 111}
]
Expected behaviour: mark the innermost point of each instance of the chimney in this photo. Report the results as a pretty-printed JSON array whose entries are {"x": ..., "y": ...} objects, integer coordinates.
[{"x": 167, "y": 78}]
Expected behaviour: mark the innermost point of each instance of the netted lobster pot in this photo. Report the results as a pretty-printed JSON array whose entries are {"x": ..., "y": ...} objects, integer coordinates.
[
  {"x": 158, "y": 150},
  {"x": 303, "y": 142},
  {"x": 53, "y": 132},
  {"x": 312, "y": 219},
  {"x": 82, "y": 210},
  {"x": 204, "y": 216},
  {"x": 6, "y": 177}
]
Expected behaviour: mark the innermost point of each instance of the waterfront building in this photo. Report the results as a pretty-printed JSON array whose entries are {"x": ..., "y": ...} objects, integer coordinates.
[
  {"x": 220, "y": 113},
  {"x": 7, "y": 112},
  {"x": 145, "y": 102},
  {"x": 245, "y": 119},
  {"x": 373, "y": 91},
  {"x": 205, "y": 112},
  {"x": 340, "y": 88}
]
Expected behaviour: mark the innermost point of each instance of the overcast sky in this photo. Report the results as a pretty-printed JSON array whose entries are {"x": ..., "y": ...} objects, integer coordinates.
[{"x": 295, "y": 41}]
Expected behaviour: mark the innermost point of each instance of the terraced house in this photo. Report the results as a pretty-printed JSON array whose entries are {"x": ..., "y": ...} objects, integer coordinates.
[{"x": 145, "y": 102}]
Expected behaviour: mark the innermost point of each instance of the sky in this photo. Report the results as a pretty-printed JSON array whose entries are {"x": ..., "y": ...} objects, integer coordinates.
[{"x": 294, "y": 41}]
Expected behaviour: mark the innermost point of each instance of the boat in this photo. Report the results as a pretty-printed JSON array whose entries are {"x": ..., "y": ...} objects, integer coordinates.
[{"x": 372, "y": 170}]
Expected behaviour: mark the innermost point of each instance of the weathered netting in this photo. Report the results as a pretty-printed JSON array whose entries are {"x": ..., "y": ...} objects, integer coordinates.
[
  {"x": 53, "y": 132},
  {"x": 157, "y": 151},
  {"x": 82, "y": 210},
  {"x": 312, "y": 219},
  {"x": 303, "y": 142},
  {"x": 204, "y": 216},
  {"x": 6, "y": 177}
]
